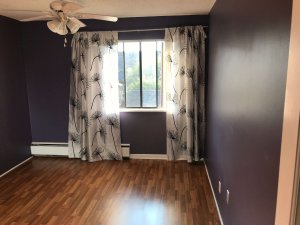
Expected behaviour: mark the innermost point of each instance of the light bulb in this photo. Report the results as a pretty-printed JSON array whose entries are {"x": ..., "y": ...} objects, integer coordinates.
[
  {"x": 58, "y": 27},
  {"x": 74, "y": 24}
]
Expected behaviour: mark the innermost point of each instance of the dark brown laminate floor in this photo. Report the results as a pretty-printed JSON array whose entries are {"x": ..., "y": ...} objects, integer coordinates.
[{"x": 134, "y": 192}]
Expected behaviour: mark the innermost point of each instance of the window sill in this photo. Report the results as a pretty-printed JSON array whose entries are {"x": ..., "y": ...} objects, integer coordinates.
[{"x": 143, "y": 110}]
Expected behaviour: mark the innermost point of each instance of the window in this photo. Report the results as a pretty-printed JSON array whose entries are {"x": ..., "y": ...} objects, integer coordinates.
[{"x": 140, "y": 74}]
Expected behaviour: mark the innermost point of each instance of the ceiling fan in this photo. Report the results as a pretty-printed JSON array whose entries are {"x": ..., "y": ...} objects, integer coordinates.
[{"x": 64, "y": 18}]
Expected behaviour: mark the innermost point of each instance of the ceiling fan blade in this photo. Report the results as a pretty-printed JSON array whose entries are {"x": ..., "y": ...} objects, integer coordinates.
[
  {"x": 95, "y": 16},
  {"x": 69, "y": 7},
  {"x": 24, "y": 11},
  {"x": 38, "y": 18}
]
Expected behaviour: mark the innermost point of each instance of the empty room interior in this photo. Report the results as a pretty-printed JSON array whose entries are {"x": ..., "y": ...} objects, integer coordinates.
[{"x": 149, "y": 112}]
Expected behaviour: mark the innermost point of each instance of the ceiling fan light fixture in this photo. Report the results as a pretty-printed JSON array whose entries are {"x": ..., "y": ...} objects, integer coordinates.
[
  {"x": 74, "y": 24},
  {"x": 62, "y": 30},
  {"x": 58, "y": 27},
  {"x": 53, "y": 24}
]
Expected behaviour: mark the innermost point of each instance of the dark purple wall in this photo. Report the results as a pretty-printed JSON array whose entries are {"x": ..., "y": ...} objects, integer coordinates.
[
  {"x": 144, "y": 131},
  {"x": 47, "y": 66},
  {"x": 249, "y": 41},
  {"x": 15, "y": 135},
  {"x": 47, "y": 71}
]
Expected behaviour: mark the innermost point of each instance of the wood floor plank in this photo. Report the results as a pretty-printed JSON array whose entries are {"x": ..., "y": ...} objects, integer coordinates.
[{"x": 62, "y": 191}]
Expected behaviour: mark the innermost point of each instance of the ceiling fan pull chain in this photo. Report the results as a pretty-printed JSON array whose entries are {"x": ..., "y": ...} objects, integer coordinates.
[{"x": 65, "y": 43}]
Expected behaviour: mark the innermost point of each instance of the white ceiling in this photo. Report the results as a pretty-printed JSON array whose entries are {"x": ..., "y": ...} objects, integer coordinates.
[{"x": 118, "y": 8}]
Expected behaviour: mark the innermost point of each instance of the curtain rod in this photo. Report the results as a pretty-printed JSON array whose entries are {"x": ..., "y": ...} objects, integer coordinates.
[
  {"x": 141, "y": 30},
  {"x": 136, "y": 30}
]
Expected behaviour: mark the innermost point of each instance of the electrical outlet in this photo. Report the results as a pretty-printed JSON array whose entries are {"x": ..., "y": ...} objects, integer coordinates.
[
  {"x": 220, "y": 187},
  {"x": 227, "y": 196}
]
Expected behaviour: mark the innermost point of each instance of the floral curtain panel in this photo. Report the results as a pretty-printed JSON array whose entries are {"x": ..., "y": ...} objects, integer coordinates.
[
  {"x": 185, "y": 88},
  {"x": 94, "y": 124}
]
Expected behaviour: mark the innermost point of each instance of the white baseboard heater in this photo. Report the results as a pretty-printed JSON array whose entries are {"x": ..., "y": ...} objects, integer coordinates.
[
  {"x": 49, "y": 149},
  {"x": 61, "y": 149}
]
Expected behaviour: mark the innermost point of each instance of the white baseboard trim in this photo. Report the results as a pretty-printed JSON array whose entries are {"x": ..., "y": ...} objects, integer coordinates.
[
  {"x": 50, "y": 150},
  {"x": 149, "y": 156},
  {"x": 15, "y": 167},
  {"x": 154, "y": 156},
  {"x": 218, "y": 209}
]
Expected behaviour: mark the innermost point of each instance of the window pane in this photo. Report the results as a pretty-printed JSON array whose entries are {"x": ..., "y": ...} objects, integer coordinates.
[
  {"x": 132, "y": 74},
  {"x": 159, "y": 71},
  {"x": 149, "y": 73},
  {"x": 121, "y": 75}
]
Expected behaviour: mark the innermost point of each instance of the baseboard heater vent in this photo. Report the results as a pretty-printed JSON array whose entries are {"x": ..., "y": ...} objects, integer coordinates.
[{"x": 61, "y": 149}]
